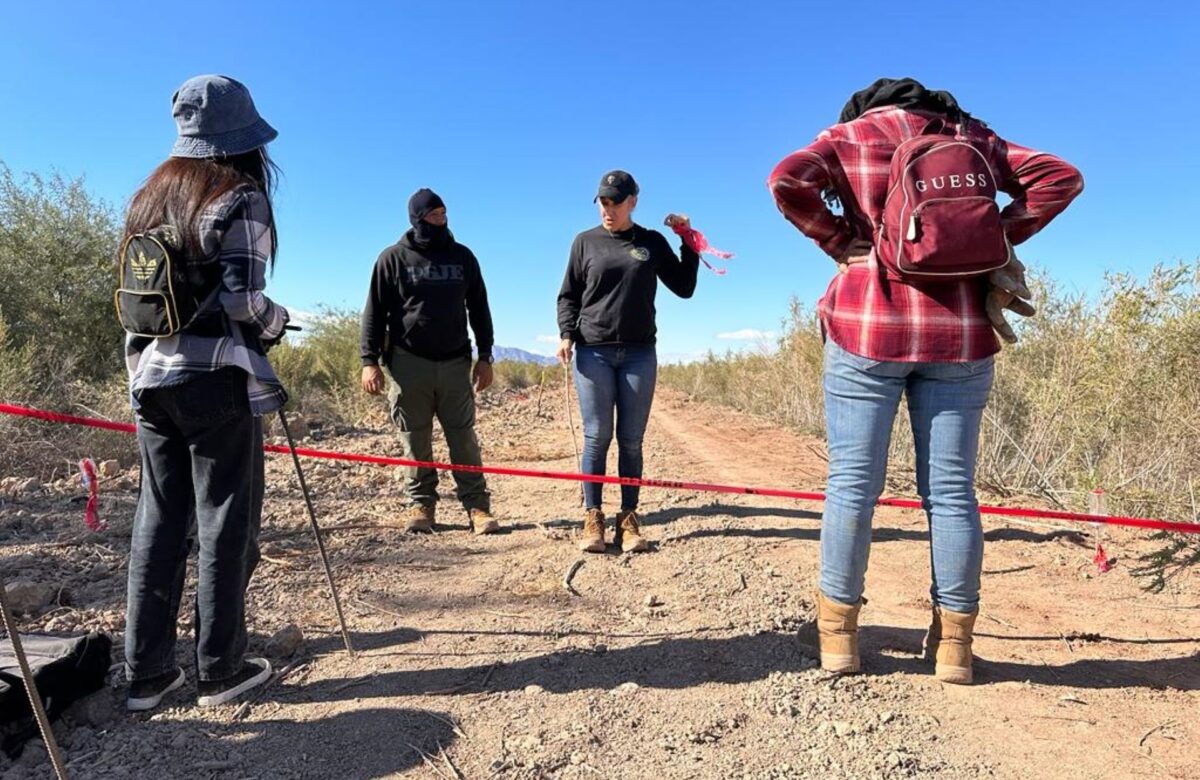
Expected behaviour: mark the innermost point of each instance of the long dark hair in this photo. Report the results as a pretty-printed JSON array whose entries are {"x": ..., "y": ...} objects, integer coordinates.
[{"x": 182, "y": 187}]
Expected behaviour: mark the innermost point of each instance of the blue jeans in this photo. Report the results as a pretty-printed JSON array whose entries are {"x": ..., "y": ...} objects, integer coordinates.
[
  {"x": 945, "y": 403},
  {"x": 202, "y": 461},
  {"x": 622, "y": 377}
]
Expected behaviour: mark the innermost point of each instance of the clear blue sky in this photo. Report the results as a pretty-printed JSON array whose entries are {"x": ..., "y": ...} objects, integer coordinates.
[{"x": 511, "y": 111}]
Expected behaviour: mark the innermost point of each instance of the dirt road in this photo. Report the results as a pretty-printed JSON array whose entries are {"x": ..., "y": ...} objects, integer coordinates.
[{"x": 476, "y": 662}]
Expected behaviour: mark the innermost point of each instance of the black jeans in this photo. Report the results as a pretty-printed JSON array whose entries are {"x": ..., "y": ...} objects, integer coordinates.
[{"x": 202, "y": 460}]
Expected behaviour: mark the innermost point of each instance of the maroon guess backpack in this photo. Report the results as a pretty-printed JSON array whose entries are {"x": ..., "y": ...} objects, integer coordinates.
[{"x": 940, "y": 219}]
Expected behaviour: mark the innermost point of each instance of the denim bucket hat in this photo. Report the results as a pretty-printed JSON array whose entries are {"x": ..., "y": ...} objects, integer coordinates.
[{"x": 216, "y": 117}]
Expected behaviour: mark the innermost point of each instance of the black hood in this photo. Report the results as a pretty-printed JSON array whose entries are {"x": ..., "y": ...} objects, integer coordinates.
[
  {"x": 423, "y": 234},
  {"x": 904, "y": 93}
]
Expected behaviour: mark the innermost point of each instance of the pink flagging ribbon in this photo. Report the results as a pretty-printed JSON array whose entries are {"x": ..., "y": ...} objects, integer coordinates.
[
  {"x": 91, "y": 515},
  {"x": 699, "y": 244}
]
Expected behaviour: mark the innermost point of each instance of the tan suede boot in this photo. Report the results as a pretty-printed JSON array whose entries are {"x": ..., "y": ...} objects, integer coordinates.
[
  {"x": 628, "y": 532},
  {"x": 482, "y": 522},
  {"x": 418, "y": 518},
  {"x": 948, "y": 645},
  {"x": 837, "y": 633},
  {"x": 592, "y": 539}
]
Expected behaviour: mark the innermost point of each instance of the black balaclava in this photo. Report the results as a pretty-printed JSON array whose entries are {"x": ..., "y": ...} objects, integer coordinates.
[
  {"x": 420, "y": 204},
  {"x": 905, "y": 93}
]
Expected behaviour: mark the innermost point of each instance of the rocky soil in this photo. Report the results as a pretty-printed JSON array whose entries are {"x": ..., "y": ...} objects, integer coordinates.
[{"x": 474, "y": 661}]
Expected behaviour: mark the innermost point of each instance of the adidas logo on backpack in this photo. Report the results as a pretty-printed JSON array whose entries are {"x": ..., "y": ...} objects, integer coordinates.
[{"x": 159, "y": 293}]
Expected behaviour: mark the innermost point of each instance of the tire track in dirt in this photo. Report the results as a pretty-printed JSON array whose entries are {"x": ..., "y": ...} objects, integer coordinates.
[
  {"x": 683, "y": 663},
  {"x": 1039, "y": 598},
  {"x": 730, "y": 448}
]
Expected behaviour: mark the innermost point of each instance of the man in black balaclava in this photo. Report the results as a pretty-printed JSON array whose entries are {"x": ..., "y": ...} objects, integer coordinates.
[{"x": 425, "y": 289}]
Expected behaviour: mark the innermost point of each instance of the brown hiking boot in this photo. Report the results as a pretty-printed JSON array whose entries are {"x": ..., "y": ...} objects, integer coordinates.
[
  {"x": 628, "y": 532},
  {"x": 592, "y": 539},
  {"x": 482, "y": 522},
  {"x": 837, "y": 634},
  {"x": 418, "y": 518},
  {"x": 948, "y": 645}
]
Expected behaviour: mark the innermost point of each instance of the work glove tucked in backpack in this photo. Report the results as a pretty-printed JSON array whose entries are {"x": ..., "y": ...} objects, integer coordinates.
[{"x": 1007, "y": 290}]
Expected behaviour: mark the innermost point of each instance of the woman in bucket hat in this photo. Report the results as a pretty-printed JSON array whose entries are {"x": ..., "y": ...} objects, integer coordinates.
[
  {"x": 199, "y": 397},
  {"x": 606, "y": 315}
]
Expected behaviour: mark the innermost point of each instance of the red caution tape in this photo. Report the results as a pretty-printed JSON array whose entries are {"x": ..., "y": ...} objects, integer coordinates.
[{"x": 903, "y": 503}]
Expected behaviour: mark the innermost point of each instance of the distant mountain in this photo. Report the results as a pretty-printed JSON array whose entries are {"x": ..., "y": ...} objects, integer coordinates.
[{"x": 521, "y": 356}]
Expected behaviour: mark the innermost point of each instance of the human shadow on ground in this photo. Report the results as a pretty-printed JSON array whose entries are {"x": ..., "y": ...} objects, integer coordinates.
[
  {"x": 361, "y": 743},
  {"x": 891, "y": 650},
  {"x": 802, "y": 534},
  {"x": 669, "y": 663},
  {"x": 1008, "y": 534},
  {"x": 685, "y": 662},
  {"x": 718, "y": 509}
]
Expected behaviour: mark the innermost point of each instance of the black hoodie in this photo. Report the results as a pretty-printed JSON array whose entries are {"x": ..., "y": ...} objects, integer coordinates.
[{"x": 421, "y": 297}]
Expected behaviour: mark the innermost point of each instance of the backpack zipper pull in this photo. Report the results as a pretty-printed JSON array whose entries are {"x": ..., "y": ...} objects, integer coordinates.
[{"x": 912, "y": 227}]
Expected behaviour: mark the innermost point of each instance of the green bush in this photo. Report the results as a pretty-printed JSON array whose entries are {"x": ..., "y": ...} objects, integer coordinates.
[{"x": 57, "y": 245}]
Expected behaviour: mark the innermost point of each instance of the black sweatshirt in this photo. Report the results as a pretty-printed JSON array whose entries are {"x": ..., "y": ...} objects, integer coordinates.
[
  {"x": 419, "y": 301},
  {"x": 607, "y": 295}
]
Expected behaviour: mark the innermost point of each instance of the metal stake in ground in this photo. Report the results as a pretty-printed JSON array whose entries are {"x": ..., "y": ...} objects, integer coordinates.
[
  {"x": 312, "y": 515},
  {"x": 571, "y": 425},
  {"x": 35, "y": 701}
]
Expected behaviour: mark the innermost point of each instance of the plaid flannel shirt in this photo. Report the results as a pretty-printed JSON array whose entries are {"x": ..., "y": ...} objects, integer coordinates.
[
  {"x": 884, "y": 319},
  {"x": 236, "y": 229}
]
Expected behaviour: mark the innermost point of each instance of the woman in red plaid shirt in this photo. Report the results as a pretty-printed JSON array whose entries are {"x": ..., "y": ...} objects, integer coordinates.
[{"x": 889, "y": 335}]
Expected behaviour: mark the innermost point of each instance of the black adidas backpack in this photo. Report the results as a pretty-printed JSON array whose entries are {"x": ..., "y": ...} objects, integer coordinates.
[{"x": 159, "y": 290}]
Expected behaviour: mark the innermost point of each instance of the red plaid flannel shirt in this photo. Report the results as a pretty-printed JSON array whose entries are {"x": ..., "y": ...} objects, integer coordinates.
[{"x": 879, "y": 318}]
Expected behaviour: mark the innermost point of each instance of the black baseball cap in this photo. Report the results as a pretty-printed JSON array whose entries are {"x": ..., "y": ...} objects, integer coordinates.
[{"x": 616, "y": 186}]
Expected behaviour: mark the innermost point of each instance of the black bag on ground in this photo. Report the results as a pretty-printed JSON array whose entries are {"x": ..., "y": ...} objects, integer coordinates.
[
  {"x": 159, "y": 290},
  {"x": 65, "y": 669}
]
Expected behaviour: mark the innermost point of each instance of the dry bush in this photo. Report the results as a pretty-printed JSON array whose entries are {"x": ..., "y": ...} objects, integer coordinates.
[
  {"x": 1097, "y": 394},
  {"x": 783, "y": 386},
  {"x": 518, "y": 375}
]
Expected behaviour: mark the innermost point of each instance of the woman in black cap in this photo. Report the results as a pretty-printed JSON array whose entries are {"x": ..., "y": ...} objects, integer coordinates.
[
  {"x": 199, "y": 397},
  {"x": 606, "y": 314}
]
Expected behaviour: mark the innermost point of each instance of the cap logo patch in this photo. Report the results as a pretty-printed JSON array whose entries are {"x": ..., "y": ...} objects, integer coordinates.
[{"x": 612, "y": 179}]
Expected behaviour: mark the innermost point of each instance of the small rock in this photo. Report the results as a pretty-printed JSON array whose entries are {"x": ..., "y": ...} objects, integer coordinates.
[
  {"x": 577, "y": 759},
  {"x": 26, "y": 597},
  {"x": 886, "y": 717},
  {"x": 842, "y": 728},
  {"x": 625, "y": 688},
  {"x": 109, "y": 468},
  {"x": 95, "y": 710},
  {"x": 286, "y": 642},
  {"x": 34, "y": 755},
  {"x": 653, "y": 601},
  {"x": 534, "y": 690},
  {"x": 299, "y": 428}
]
